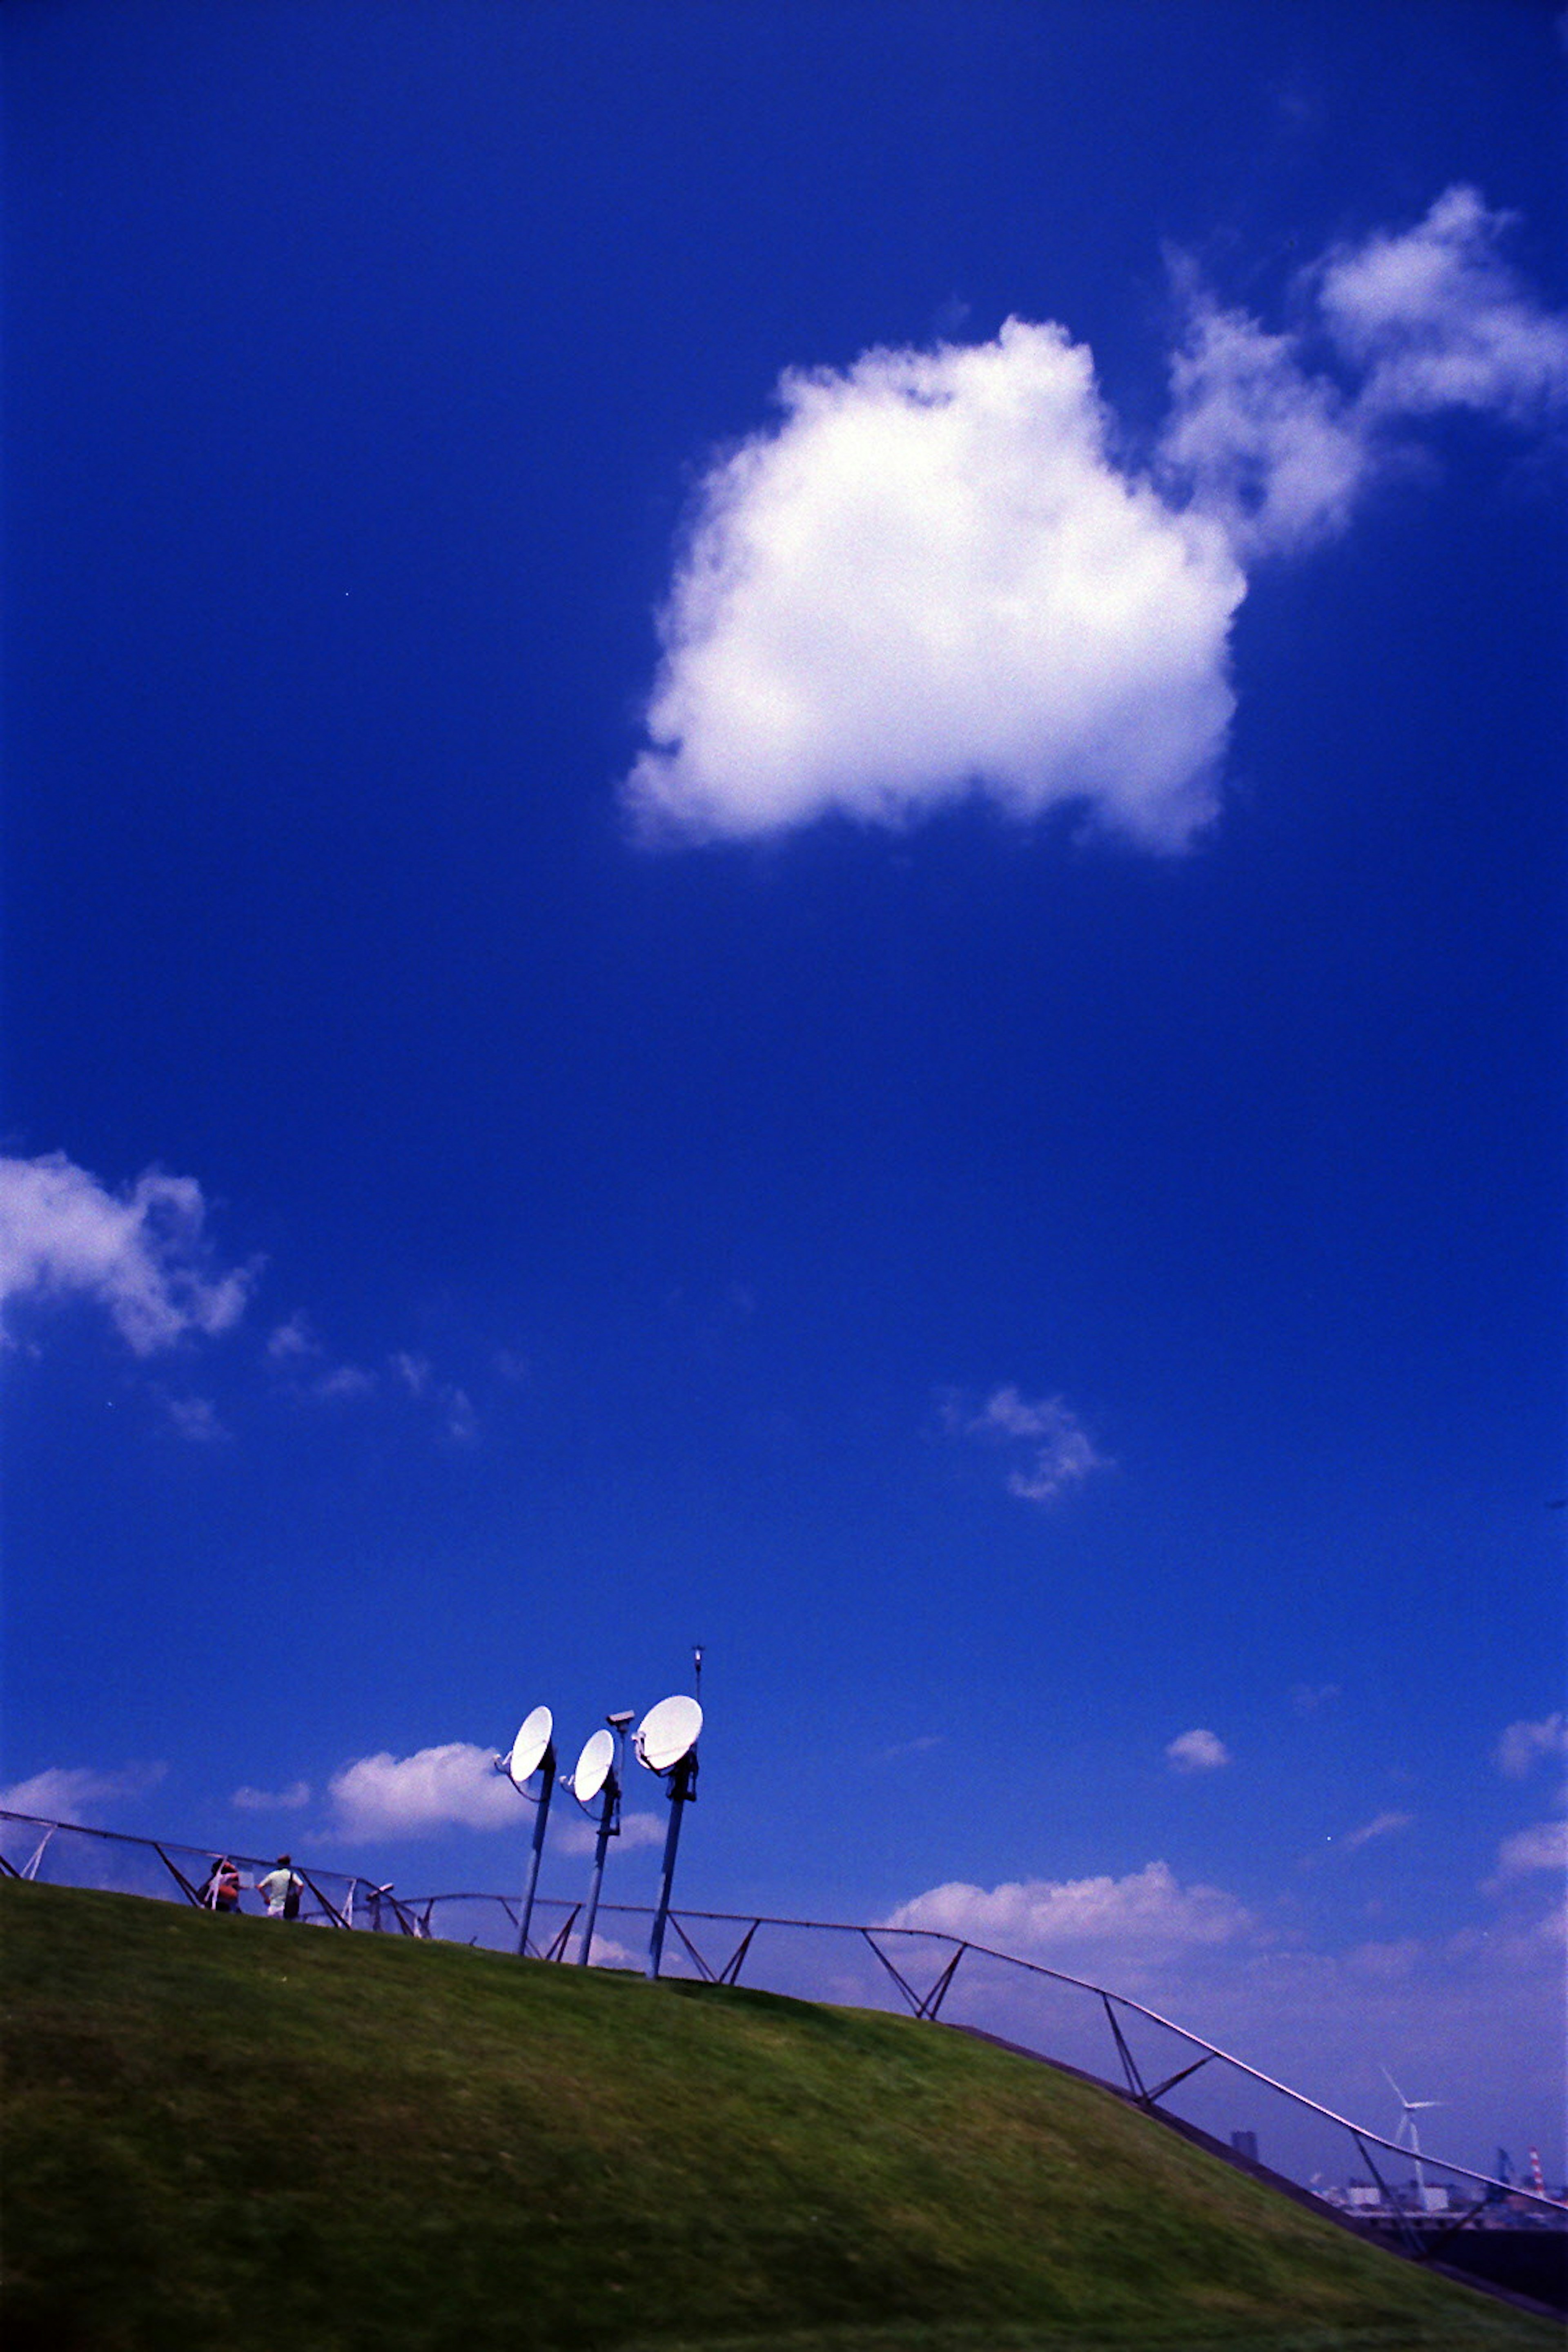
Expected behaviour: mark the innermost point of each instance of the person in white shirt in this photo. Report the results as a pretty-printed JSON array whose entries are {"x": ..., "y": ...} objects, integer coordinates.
[{"x": 279, "y": 1890}]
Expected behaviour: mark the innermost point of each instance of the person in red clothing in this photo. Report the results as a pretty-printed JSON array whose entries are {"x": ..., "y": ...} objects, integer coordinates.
[{"x": 221, "y": 1891}]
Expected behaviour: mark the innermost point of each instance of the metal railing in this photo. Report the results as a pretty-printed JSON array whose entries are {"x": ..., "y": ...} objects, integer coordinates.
[{"x": 935, "y": 1977}]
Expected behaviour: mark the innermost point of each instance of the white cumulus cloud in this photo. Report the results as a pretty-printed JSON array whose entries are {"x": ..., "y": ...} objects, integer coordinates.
[
  {"x": 453, "y": 1786},
  {"x": 75, "y": 1792},
  {"x": 142, "y": 1255},
  {"x": 1197, "y": 1751},
  {"x": 1144, "y": 1916},
  {"x": 932, "y": 578},
  {"x": 938, "y": 573}
]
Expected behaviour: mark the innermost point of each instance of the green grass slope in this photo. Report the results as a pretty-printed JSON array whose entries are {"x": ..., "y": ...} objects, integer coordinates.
[{"x": 231, "y": 2133}]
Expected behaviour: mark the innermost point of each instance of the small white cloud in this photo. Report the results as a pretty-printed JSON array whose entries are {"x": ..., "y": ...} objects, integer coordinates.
[
  {"x": 1380, "y": 1825},
  {"x": 1197, "y": 1751},
  {"x": 1311, "y": 1699},
  {"x": 299, "y": 1354},
  {"x": 454, "y": 1786},
  {"x": 1058, "y": 1451},
  {"x": 458, "y": 1419},
  {"x": 267, "y": 1801},
  {"x": 920, "y": 1745},
  {"x": 1436, "y": 318},
  {"x": 1542, "y": 1846},
  {"x": 1422, "y": 320},
  {"x": 1145, "y": 1915},
  {"x": 608, "y": 1953},
  {"x": 1388, "y": 1963},
  {"x": 1523, "y": 1745},
  {"x": 461, "y": 1422},
  {"x": 142, "y": 1255},
  {"x": 75, "y": 1792},
  {"x": 292, "y": 1340},
  {"x": 196, "y": 1418},
  {"x": 637, "y": 1829}
]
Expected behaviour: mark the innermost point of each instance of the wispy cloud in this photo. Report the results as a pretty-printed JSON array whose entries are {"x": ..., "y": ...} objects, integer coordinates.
[
  {"x": 452, "y": 1403},
  {"x": 1147, "y": 1914},
  {"x": 297, "y": 1354},
  {"x": 935, "y": 574},
  {"x": 904, "y": 1749},
  {"x": 578, "y": 1836},
  {"x": 1197, "y": 1751},
  {"x": 453, "y": 1786},
  {"x": 1052, "y": 1450},
  {"x": 142, "y": 1255},
  {"x": 342, "y": 1381},
  {"x": 1525, "y": 1744},
  {"x": 1426, "y": 318},
  {"x": 196, "y": 1418},
  {"x": 1380, "y": 1825},
  {"x": 293, "y": 1342},
  {"x": 75, "y": 1792},
  {"x": 1542, "y": 1846},
  {"x": 291, "y": 1800}
]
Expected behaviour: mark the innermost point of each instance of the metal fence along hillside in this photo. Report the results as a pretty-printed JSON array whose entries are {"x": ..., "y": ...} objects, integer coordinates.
[{"x": 1424, "y": 2202}]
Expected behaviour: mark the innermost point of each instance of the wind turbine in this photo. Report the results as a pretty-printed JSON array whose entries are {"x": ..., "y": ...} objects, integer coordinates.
[{"x": 1408, "y": 2110}]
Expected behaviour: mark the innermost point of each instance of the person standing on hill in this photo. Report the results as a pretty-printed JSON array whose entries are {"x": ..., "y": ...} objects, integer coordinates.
[
  {"x": 279, "y": 1890},
  {"x": 221, "y": 1891}
]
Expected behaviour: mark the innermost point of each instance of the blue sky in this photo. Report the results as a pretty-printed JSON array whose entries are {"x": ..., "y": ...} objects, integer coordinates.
[{"x": 785, "y": 868}]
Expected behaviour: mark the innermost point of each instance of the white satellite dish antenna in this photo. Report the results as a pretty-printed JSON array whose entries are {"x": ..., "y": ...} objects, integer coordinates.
[
  {"x": 534, "y": 1750},
  {"x": 592, "y": 1766},
  {"x": 597, "y": 1771},
  {"x": 529, "y": 1748},
  {"x": 667, "y": 1744},
  {"x": 668, "y": 1733}
]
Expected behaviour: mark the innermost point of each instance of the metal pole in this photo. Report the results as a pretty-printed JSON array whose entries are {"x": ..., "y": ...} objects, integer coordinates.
[
  {"x": 541, "y": 1814},
  {"x": 681, "y": 1781},
  {"x": 607, "y": 1831}
]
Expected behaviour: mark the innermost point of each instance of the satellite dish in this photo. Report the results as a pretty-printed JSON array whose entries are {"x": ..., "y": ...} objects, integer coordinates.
[
  {"x": 528, "y": 1748},
  {"x": 593, "y": 1766},
  {"x": 668, "y": 1733}
]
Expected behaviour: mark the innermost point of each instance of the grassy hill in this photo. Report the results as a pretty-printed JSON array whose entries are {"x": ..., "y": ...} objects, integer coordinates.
[{"x": 230, "y": 2133}]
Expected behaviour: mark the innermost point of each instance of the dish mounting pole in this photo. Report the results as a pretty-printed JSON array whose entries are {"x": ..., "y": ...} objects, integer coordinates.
[
  {"x": 608, "y": 1827},
  {"x": 541, "y": 1814},
  {"x": 682, "y": 1792}
]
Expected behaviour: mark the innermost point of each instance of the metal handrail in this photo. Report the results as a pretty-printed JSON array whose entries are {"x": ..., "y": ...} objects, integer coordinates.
[{"x": 926, "y": 2007}]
